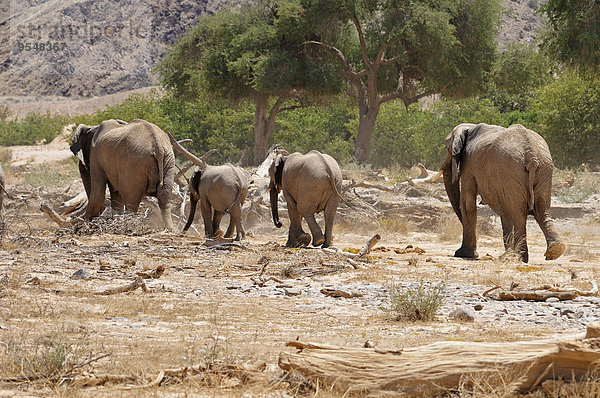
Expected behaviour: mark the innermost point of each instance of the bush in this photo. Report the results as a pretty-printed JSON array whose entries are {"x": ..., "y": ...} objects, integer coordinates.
[
  {"x": 32, "y": 129},
  {"x": 419, "y": 303}
]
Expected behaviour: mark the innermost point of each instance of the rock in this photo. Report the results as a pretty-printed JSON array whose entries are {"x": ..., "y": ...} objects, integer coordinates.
[
  {"x": 566, "y": 311},
  {"x": 233, "y": 286},
  {"x": 462, "y": 315},
  {"x": 369, "y": 344},
  {"x": 33, "y": 281},
  {"x": 290, "y": 291},
  {"x": 82, "y": 274},
  {"x": 333, "y": 292},
  {"x": 552, "y": 300},
  {"x": 478, "y": 307}
]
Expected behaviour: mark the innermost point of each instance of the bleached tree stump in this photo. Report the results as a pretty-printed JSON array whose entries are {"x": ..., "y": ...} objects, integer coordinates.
[{"x": 445, "y": 365}]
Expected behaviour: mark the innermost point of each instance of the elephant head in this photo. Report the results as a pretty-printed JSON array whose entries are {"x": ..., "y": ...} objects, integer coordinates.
[
  {"x": 275, "y": 173},
  {"x": 455, "y": 144},
  {"x": 80, "y": 146},
  {"x": 194, "y": 197}
]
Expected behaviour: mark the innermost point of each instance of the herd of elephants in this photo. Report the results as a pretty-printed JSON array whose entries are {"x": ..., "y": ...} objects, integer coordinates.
[{"x": 510, "y": 168}]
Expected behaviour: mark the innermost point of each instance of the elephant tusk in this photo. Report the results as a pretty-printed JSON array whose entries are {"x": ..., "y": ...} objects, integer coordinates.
[{"x": 437, "y": 176}]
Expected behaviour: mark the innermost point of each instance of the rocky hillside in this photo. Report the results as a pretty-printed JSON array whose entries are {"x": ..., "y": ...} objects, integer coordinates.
[{"x": 84, "y": 48}]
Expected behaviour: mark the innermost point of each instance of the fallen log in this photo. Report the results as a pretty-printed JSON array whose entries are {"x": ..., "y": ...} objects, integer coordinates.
[
  {"x": 445, "y": 366},
  {"x": 535, "y": 295},
  {"x": 138, "y": 282},
  {"x": 44, "y": 208},
  {"x": 355, "y": 256},
  {"x": 425, "y": 176}
]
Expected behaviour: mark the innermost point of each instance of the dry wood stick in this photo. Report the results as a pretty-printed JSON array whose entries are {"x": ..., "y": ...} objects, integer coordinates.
[
  {"x": 535, "y": 295},
  {"x": 138, "y": 282},
  {"x": 369, "y": 245},
  {"x": 44, "y": 208}
]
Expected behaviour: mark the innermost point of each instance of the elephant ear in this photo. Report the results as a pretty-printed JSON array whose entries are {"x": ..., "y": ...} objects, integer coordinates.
[
  {"x": 195, "y": 181},
  {"x": 279, "y": 163},
  {"x": 455, "y": 143},
  {"x": 80, "y": 142}
]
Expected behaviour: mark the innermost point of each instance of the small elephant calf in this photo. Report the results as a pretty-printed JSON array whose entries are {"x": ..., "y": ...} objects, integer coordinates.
[{"x": 219, "y": 189}]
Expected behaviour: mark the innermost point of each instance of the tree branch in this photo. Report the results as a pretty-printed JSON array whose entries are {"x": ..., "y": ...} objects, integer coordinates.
[
  {"x": 346, "y": 68},
  {"x": 380, "y": 54},
  {"x": 363, "y": 44},
  {"x": 275, "y": 109}
]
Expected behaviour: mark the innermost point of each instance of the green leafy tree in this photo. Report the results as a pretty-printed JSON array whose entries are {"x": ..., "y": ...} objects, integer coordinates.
[
  {"x": 403, "y": 49},
  {"x": 573, "y": 34},
  {"x": 250, "y": 53}
]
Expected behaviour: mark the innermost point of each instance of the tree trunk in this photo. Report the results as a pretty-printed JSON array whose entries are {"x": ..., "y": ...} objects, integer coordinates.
[
  {"x": 366, "y": 124},
  {"x": 261, "y": 135},
  {"x": 447, "y": 365}
]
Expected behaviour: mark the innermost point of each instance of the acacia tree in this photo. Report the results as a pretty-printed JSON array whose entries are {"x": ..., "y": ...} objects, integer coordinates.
[
  {"x": 403, "y": 49},
  {"x": 250, "y": 53},
  {"x": 573, "y": 34}
]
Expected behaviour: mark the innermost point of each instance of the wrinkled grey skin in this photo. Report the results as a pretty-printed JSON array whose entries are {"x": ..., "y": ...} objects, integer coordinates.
[
  {"x": 135, "y": 159},
  {"x": 310, "y": 184},
  {"x": 219, "y": 189},
  {"x": 511, "y": 168}
]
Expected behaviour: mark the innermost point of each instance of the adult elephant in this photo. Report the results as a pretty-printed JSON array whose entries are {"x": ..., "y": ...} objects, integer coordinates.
[
  {"x": 219, "y": 189},
  {"x": 511, "y": 168},
  {"x": 134, "y": 159},
  {"x": 310, "y": 185}
]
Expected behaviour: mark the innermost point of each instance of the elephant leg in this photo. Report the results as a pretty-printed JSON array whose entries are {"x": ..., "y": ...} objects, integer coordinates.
[
  {"x": 507, "y": 232},
  {"x": 468, "y": 208},
  {"x": 164, "y": 203},
  {"x": 235, "y": 212},
  {"x": 330, "y": 211},
  {"x": 296, "y": 236},
  {"x": 206, "y": 209},
  {"x": 555, "y": 247},
  {"x": 315, "y": 230},
  {"x": 116, "y": 201},
  {"x": 520, "y": 237},
  {"x": 514, "y": 233},
  {"x": 97, "y": 193},
  {"x": 216, "y": 222}
]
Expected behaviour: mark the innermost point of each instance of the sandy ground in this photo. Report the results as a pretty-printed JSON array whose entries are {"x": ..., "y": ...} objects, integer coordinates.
[{"x": 209, "y": 308}]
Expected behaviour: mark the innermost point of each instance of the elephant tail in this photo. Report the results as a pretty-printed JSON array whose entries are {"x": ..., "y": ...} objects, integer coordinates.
[
  {"x": 531, "y": 166},
  {"x": 240, "y": 188}
]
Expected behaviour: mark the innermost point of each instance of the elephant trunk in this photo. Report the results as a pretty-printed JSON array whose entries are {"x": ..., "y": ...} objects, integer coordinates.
[
  {"x": 190, "y": 220},
  {"x": 453, "y": 191},
  {"x": 274, "y": 194}
]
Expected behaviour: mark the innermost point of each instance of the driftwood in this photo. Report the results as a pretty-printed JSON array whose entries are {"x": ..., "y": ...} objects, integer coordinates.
[
  {"x": 425, "y": 176},
  {"x": 44, "y": 208},
  {"x": 138, "y": 282},
  {"x": 535, "y": 295},
  {"x": 76, "y": 205},
  {"x": 154, "y": 274},
  {"x": 445, "y": 365},
  {"x": 351, "y": 257}
]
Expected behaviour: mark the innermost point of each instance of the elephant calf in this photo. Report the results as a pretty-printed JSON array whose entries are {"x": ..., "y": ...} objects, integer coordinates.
[
  {"x": 310, "y": 185},
  {"x": 219, "y": 189},
  {"x": 134, "y": 159},
  {"x": 511, "y": 168}
]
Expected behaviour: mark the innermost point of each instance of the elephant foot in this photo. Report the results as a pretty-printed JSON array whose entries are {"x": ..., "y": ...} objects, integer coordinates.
[
  {"x": 217, "y": 234},
  {"x": 303, "y": 240},
  {"x": 318, "y": 241},
  {"x": 555, "y": 251},
  {"x": 466, "y": 253}
]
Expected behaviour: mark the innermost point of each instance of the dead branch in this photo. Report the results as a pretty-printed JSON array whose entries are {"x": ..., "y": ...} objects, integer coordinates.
[
  {"x": 425, "y": 176},
  {"x": 355, "y": 256},
  {"x": 587, "y": 293},
  {"x": 362, "y": 184},
  {"x": 535, "y": 295},
  {"x": 76, "y": 204},
  {"x": 44, "y": 208},
  {"x": 444, "y": 365},
  {"x": 138, "y": 282},
  {"x": 154, "y": 274}
]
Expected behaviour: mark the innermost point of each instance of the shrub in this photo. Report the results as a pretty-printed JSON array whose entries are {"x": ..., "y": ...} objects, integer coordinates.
[
  {"x": 32, "y": 129},
  {"x": 418, "y": 303}
]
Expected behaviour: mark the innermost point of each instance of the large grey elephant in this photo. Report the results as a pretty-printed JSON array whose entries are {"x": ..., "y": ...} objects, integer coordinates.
[
  {"x": 219, "y": 189},
  {"x": 134, "y": 159},
  {"x": 310, "y": 184},
  {"x": 511, "y": 168}
]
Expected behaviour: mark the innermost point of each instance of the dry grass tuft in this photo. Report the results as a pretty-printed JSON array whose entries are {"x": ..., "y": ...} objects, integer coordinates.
[
  {"x": 418, "y": 303},
  {"x": 127, "y": 223},
  {"x": 448, "y": 227}
]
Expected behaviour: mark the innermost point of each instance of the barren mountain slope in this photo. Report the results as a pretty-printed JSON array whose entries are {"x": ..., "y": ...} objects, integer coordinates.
[{"x": 100, "y": 47}]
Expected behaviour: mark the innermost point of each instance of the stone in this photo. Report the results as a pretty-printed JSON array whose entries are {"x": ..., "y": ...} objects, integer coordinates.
[
  {"x": 462, "y": 315},
  {"x": 552, "y": 300},
  {"x": 82, "y": 274},
  {"x": 478, "y": 307},
  {"x": 290, "y": 291}
]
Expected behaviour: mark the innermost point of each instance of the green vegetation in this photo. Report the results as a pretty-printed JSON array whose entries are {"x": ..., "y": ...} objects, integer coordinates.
[
  {"x": 418, "y": 303},
  {"x": 32, "y": 129}
]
